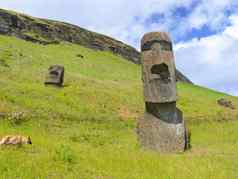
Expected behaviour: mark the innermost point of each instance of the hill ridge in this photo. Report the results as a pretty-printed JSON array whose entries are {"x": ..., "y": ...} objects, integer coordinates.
[{"x": 46, "y": 31}]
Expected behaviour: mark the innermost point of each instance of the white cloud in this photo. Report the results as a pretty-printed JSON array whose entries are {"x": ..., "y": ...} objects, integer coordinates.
[
  {"x": 233, "y": 30},
  {"x": 116, "y": 18},
  {"x": 126, "y": 20},
  {"x": 212, "y": 61},
  {"x": 212, "y": 14}
]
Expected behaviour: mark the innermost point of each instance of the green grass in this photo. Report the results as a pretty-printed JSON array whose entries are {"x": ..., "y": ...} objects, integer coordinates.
[
  {"x": 87, "y": 129},
  {"x": 38, "y": 38}
]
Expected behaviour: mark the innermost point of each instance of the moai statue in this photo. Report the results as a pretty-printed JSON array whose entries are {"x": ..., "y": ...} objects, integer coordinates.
[
  {"x": 162, "y": 127},
  {"x": 55, "y": 75}
]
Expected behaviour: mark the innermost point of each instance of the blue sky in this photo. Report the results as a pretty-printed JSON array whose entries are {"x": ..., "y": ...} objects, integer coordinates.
[{"x": 205, "y": 32}]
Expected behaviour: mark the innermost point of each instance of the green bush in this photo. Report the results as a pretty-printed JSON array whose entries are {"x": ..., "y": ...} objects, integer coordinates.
[{"x": 64, "y": 153}]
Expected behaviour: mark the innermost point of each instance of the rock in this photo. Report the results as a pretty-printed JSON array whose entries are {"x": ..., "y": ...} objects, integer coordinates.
[
  {"x": 80, "y": 56},
  {"x": 55, "y": 75},
  {"x": 4, "y": 28},
  {"x": 159, "y": 135},
  {"x": 225, "y": 103}
]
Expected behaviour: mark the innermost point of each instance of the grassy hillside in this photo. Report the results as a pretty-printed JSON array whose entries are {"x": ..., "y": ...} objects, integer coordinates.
[{"x": 87, "y": 129}]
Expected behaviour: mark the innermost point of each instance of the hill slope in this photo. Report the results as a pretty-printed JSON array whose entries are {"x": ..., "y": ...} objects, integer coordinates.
[
  {"x": 86, "y": 129},
  {"x": 50, "y": 32}
]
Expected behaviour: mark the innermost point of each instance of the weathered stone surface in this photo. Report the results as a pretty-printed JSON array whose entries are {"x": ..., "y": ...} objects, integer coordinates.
[
  {"x": 162, "y": 127},
  {"x": 168, "y": 112},
  {"x": 55, "y": 75},
  {"x": 158, "y": 68},
  {"x": 159, "y": 135},
  {"x": 50, "y": 32},
  {"x": 225, "y": 103}
]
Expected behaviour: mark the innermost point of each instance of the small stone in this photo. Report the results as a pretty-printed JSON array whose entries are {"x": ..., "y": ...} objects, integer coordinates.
[
  {"x": 225, "y": 103},
  {"x": 80, "y": 56}
]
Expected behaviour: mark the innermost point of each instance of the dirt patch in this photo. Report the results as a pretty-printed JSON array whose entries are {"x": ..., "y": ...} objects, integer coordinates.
[{"x": 126, "y": 114}]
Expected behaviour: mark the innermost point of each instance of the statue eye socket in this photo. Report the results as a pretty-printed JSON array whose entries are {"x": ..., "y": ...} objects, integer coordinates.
[
  {"x": 54, "y": 73},
  {"x": 166, "y": 46}
]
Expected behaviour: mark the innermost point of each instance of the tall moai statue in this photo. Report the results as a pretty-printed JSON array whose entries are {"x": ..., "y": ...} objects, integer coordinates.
[{"x": 162, "y": 127}]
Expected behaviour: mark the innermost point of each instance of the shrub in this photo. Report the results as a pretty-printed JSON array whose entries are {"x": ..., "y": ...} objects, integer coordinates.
[{"x": 64, "y": 153}]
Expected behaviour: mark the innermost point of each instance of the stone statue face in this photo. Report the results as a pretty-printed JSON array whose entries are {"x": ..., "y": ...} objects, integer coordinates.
[
  {"x": 55, "y": 71},
  {"x": 158, "y": 68},
  {"x": 55, "y": 75}
]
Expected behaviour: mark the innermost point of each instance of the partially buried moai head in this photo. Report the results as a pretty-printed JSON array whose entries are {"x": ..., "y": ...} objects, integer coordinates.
[
  {"x": 158, "y": 68},
  {"x": 55, "y": 75}
]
